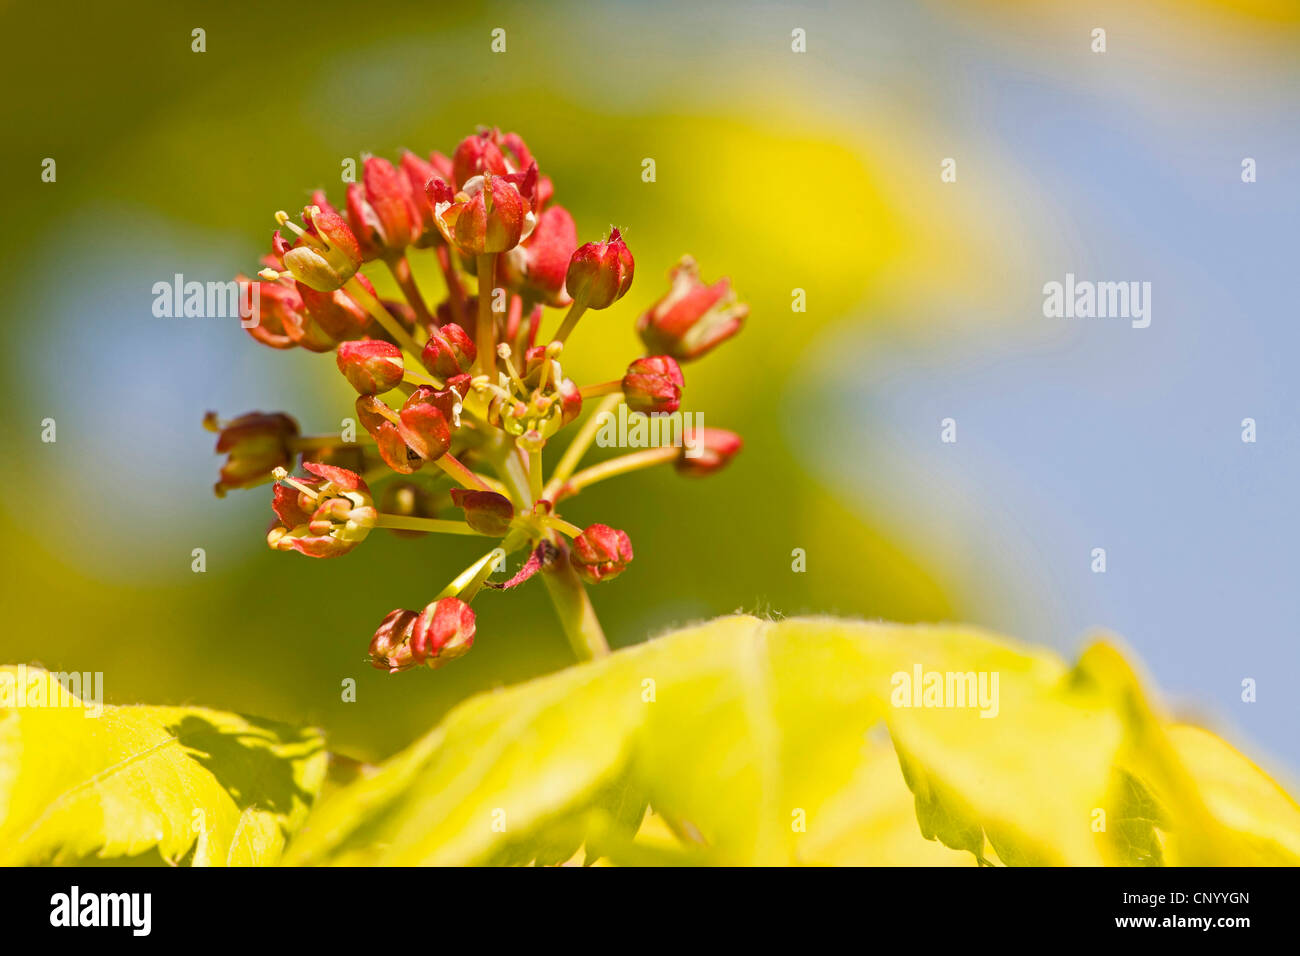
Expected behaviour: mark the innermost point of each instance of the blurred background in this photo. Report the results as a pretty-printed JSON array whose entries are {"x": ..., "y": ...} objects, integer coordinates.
[{"x": 817, "y": 171}]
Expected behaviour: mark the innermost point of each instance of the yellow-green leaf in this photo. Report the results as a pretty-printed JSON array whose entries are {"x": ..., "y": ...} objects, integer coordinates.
[
  {"x": 127, "y": 780},
  {"x": 791, "y": 742}
]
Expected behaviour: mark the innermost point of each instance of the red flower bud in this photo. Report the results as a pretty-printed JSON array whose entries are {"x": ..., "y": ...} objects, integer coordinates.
[
  {"x": 538, "y": 267},
  {"x": 476, "y": 155},
  {"x": 488, "y": 215},
  {"x": 600, "y": 272},
  {"x": 653, "y": 385},
  {"x": 390, "y": 648},
  {"x": 443, "y": 631},
  {"x": 449, "y": 351},
  {"x": 382, "y": 211},
  {"x": 371, "y": 366},
  {"x": 255, "y": 444},
  {"x": 693, "y": 317},
  {"x": 485, "y": 511},
  {"x": 600, "y": 553},
  {"x": 706, "y": 450},
  {"x": 330, "y": 521},
  {"x": 418, "y": 173},
  {"x": 425, "y": 421}
]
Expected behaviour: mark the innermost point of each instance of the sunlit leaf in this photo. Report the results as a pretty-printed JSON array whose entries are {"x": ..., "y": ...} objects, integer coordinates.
[
  {"x": 760, "y": 742},
  {"x": 224, "y": 789}
]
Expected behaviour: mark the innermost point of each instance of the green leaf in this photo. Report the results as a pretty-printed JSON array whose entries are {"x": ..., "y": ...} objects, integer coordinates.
[
  {"x": 761, "y": 742},
  {"x": 134, "y": 779}
]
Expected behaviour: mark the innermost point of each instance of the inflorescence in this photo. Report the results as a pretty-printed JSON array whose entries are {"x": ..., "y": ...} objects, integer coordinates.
[{"x": 466, "y": 394}]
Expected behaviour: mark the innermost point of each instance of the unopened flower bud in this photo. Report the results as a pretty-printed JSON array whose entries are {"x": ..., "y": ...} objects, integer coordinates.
[
  {"x": 449, "y": 351},
  {"x": 485, "y": 511},
  {"x": 653, "y": 385},
  {"x": 477, "y": 154},
  {"x": 382, "y": 211},
  {"x": 255, "y": 445},
  {"x": 371, "y": 366},
  {"x": 390, "y": 648},
  {"x": 600, "y": 272},
  {"x": 600, "y": 553},
  {"x": 418, "y": 173},
  {"x": 538, "y": 267},
  {"x": 425, "y": 421},
  {"x": 707, "y": 450},
  {"x": 693, "y": 317},
  {"x": 443, "y": 631}
]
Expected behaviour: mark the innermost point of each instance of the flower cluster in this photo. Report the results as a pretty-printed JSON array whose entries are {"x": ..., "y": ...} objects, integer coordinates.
[{"x": 458, "y": 401}]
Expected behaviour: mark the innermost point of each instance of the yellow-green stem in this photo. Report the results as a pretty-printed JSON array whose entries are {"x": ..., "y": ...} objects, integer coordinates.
[
  {"x": 559, "y": 524},
  {"x": 431, "y": 525},
  {"x": 573, "y": 606},
  {"x": 604, "y": 388},
  {"x": 459, "y": 473},
  {"x": 535, "y": 474},
  {"x": 485, "y": 327},
  {"x": 570, "y": 320},
  {"x": 622, "y": 465}
]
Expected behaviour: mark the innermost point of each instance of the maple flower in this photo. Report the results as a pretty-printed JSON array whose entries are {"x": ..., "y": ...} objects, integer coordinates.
[
  {"x": 459, "y": 400},
  {"x": 321, "y": 517},
  {"x": 255, "y": 444},
  {"x": 653, "y": 385},
  {"x": 601, "y": 553},
  {"x": 693, "y": 318}
]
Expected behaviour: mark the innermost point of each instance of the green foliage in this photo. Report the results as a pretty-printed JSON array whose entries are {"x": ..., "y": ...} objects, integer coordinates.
[
  {"x": 230, "y": 789},
  {"x": 758, "y": 738},
  {"x": 752, "y": 742}
]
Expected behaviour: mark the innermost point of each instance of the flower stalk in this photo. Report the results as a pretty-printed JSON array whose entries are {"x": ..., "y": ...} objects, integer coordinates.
[{"x": 462, "y": 448}]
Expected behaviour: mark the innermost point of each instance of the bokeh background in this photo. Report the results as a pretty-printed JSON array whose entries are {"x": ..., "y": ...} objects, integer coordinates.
[{"x": 817, "y": 171}]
